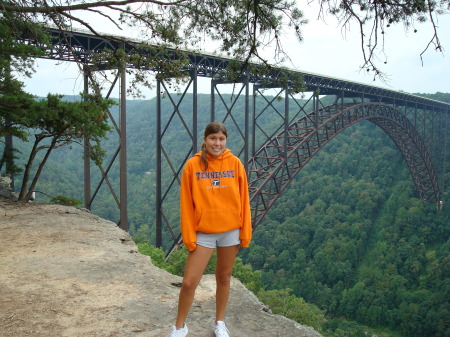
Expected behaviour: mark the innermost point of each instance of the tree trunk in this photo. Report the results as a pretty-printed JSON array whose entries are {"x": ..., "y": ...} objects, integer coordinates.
[
  {"x": 28, "y": 166},
  {"x": 41, "y": 166}
]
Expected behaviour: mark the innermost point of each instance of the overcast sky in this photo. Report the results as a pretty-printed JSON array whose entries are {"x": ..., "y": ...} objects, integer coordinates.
[{"x": 324, "y": 51}]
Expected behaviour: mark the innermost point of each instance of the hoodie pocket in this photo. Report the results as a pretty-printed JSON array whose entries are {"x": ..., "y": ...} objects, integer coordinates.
[{"x": 218, "y": 220}]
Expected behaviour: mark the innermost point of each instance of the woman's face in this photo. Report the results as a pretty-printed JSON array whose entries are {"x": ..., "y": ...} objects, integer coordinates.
[{"x": 215, "y": 144}]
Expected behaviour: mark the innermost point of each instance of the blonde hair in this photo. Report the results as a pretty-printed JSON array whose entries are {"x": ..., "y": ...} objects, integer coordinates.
[{"x": 211, "y": 128}]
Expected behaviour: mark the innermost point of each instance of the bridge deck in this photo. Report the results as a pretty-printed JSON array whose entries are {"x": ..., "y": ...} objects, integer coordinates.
[{"x": 81, "y": 46}]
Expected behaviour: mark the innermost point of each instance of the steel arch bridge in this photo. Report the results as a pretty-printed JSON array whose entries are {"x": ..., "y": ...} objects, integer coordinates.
[
  {"x": 302, "y": 125},
  {"x": 278, "y": 161}
]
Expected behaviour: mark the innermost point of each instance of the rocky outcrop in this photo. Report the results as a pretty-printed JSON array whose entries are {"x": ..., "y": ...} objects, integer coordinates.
[
  {"x": 67, "y": 273},
  {"x": 5, "y": 189}
]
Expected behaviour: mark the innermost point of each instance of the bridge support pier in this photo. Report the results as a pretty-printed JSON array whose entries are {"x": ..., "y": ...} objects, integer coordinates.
[
  {"x": 121, "y": 151},
  {"x": 168, "y": 168},
  {"x": 169, "y": 165}
]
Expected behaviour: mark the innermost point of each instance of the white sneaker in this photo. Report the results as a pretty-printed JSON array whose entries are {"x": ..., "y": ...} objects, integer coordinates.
[
  {"x": 220, "y": 330},
  {"x": 182, "y": 332}
]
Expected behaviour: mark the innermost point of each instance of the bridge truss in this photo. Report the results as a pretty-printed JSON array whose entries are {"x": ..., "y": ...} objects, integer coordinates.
[{"x": 418, "y": 126}]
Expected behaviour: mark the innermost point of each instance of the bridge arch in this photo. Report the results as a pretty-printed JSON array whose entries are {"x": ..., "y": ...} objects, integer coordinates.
[{"x": 282, "y": 157}]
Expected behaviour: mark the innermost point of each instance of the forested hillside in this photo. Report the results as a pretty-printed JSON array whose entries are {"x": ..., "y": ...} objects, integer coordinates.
[{"x": 348, "y": 235}]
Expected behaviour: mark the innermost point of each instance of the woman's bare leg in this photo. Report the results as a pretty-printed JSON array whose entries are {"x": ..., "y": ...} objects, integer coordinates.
[
  {"x": 225, "y": 261},
  {"x": 195, "y": 266}
]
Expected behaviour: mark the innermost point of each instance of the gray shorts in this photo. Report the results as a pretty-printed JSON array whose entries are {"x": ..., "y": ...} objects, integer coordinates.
[{"x": 214, "y": 240}]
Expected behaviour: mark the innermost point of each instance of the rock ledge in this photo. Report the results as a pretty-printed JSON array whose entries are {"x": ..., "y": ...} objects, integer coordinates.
[{"x": 67, "y": 273}]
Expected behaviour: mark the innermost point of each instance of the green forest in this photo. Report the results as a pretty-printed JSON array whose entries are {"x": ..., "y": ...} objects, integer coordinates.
[{"x": 348, "y": 238}]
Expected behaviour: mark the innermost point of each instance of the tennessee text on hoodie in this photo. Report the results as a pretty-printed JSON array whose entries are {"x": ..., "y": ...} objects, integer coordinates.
[{"x": 215, "y": 200}]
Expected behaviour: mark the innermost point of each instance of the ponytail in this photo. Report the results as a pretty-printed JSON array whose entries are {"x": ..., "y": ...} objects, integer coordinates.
[{"x": 203, "y": 157}]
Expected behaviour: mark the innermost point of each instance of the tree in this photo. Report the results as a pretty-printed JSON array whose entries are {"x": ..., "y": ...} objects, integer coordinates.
[
  {"x": 242, "y": 28},
  {"x": 62, "y": 123},
  {"x": 13, "y": 100},
  {"x": 283, "y": 303},
  {"x": 373, "y": 18},
  {"x": 53, "y": 122}
]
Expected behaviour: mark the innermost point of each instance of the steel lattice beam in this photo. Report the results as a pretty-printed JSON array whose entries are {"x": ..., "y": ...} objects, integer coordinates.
[{"x": 82, "y": 46}]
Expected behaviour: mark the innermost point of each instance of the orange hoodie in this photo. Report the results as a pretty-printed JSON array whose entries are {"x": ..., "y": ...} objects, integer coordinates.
[{"x": 216, "y": 200}]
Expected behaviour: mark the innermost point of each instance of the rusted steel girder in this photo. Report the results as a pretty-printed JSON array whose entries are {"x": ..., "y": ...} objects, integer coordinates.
[
  {"x": 120, "y": 127},
  {"x": 271, "y": 169}
]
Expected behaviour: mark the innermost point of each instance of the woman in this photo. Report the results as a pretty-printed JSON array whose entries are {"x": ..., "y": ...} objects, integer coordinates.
[{"x": 215, "y": 214}]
